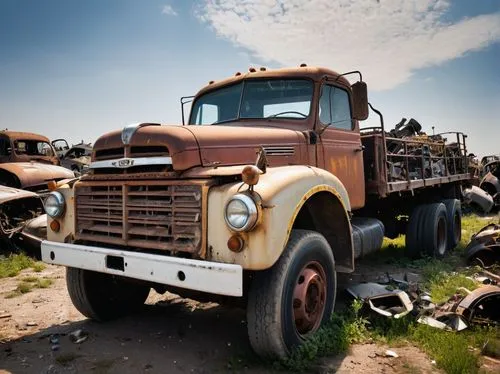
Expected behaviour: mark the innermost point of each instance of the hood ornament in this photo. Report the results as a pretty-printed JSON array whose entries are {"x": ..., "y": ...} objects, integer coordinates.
[{"x": 129, "y": 130}]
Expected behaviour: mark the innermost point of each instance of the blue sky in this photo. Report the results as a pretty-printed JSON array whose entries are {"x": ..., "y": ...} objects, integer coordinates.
[{"x": 77, "y": 69}]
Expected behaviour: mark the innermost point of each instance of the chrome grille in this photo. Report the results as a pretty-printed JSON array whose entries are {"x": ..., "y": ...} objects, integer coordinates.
[
  {"x": 135, "y": 151},
  {"x": 159, "y": 216}
]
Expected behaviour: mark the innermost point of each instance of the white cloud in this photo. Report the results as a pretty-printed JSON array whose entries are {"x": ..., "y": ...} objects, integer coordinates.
[
  {"x": 168, "y": 10},
  {"x": 386, "y": 39}
]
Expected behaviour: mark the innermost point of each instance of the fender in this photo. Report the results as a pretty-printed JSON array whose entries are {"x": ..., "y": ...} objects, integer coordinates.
[{"x": 284, "y": 191}]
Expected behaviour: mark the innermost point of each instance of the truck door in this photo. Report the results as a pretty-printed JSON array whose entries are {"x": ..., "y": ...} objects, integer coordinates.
[{"x": 340, "y": 142}]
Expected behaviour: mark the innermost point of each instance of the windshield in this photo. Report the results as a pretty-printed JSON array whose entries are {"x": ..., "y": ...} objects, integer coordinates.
[
  {"x": 33, "y": 148},
  {"x": 272, "y": 98}
]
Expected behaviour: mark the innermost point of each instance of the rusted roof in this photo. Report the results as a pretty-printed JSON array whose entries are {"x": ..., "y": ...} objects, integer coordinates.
[
  {"x": 24, "y": 135},
  {"x": 311, "y": 72}
]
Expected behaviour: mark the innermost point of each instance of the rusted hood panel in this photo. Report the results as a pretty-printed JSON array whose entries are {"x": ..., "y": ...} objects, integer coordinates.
[
  {"x": 9, "y": 194},
  {"x": 235, "y": 145},
  {"x": 208, "y": 146},
  {"x": 176, "y": 138},
  {"x": 31, "y": 174}
]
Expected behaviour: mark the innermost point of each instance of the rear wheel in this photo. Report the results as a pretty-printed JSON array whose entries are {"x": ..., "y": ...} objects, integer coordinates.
[
  {"x": 435, "y": 235},
  {"x": 454, "y": 220},
  {"x": 102, "y": 296},
  {"x": 289, "y": 302},
  {"x": 427, "y": 231}
]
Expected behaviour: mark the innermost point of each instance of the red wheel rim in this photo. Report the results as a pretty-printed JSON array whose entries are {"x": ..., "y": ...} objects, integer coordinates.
[{"x": 309, "y": 298}]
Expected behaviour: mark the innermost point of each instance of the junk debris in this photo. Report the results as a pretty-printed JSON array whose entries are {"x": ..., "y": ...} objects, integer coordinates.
[
  {"x": 479, "y": 198},
  {"x": 421, "y": 155},
  {"x": 484, "y": 247},
  {"x": 448, "y": 322},
  {"x": 490, "y": 181},
  {"x": 382, "y": 299},
  {"x": 21, "y": 221},
  {"x": 77, "y": 158},
  {"x": 481, "y": 306}
]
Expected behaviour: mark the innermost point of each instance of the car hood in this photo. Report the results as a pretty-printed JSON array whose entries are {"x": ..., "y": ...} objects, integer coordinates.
[
  {"x": 34, "y": 175},
  {"x": 9, "y": 194}
]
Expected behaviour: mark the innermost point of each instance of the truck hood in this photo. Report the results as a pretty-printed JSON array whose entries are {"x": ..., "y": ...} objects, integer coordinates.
[
  {"x": 233, "y": 145},
  {"x": 209, "y": 146},
  {"x": 34, "y": 175}
]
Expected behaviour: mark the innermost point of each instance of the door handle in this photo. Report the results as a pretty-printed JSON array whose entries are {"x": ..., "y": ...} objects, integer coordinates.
[{"x": 360, "y": 149}]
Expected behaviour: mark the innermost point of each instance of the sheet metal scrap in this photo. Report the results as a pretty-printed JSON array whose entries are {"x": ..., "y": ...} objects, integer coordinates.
[
  {"x": 381, "y": 299},
  {"x": 448, "y": 322},
  {"x": 481, "y": 306},
  {"x": 484, "y": 247}
]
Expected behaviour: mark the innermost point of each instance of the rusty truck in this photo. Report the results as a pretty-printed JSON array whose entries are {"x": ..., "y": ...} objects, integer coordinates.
[{"x": 267, "y": 192}]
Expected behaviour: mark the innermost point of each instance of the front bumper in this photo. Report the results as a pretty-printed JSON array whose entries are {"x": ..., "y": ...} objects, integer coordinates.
[{"x": 205, "y": 276}]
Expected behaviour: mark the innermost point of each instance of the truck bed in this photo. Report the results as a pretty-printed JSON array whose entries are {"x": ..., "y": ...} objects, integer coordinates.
[{"x": 405, "y": 164}]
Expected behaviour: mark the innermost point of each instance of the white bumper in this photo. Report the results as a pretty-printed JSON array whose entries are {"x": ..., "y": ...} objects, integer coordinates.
[{"x": 205, "y": 276}]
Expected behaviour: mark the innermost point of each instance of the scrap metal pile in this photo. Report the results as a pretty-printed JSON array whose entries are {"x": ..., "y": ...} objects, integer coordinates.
[
  {"x": 412, "y": 154},
  {"x": 397, "y": 298},
  {"x": 28, "y": 162},
  {"x": 485, "y": 193}
]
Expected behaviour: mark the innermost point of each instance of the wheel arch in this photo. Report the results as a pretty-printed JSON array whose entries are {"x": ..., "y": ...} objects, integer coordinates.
[{"x": 324, "y": 212}]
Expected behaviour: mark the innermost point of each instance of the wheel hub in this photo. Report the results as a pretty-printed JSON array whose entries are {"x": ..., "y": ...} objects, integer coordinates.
[{"x": 309, "y": 298}]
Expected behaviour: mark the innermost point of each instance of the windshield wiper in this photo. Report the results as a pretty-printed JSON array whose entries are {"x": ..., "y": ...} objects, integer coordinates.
[
  {"x": 224, "y": 121},
  {"x": 276, "y": 115}
]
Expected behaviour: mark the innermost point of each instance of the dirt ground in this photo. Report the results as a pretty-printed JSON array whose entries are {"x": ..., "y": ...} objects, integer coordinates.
[{"x": 171, "y": 335}]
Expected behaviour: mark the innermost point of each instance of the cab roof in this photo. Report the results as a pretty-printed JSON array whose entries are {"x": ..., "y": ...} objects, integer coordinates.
[
  {"x": 309, "y": 72},
  {"x": 16, "y": 135}
]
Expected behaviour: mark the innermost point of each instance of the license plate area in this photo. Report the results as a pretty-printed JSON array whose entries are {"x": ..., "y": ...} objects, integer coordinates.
[{"x": 115, "y": 263}]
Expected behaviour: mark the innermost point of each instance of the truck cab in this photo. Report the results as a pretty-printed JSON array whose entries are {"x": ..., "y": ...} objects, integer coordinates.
[{"x": 315, "y": 102}]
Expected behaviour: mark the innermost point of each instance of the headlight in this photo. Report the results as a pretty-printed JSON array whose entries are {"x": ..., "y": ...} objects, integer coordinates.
[
  {"x": 241, "y": 213},
  {"x": 55, "y": 204}
]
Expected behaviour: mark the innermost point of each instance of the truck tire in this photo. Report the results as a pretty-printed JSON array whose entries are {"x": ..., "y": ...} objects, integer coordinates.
[
  {"x": 435, "y": 230},
  {"x": 103, "y": 297},
  {"x": 414, "y": 229},
  {"x": 454, "y": 219},
  {"x": 291, "y": 300}
]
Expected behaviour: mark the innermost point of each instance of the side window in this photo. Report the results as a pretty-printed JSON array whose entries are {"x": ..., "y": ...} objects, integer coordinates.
[
  {"x": 341, "y": 109},
  {"x": 4, "y": 145},
  {"x": 335, "y": 108}
]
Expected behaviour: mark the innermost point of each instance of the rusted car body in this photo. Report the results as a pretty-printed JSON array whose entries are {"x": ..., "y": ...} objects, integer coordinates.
[
  {"x": 22, "y": 223},
  {"x": 18, "y": 146},
  {"x": 77, "y": 158},
  {"x": 490, "y": 181},
  {"x": 28, "y": 161},
  {"x": 270, "y": 169}
]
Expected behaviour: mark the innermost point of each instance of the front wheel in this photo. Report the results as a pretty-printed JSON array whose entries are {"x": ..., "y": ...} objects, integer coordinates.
[
  {"x": 102, "y": 296},
  {"x": 290, "y": 301}
]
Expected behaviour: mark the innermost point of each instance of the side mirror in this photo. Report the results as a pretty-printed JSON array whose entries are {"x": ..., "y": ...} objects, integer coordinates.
[{"x": 360, "y": 98}]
